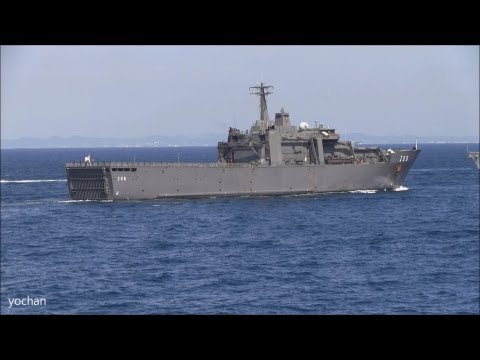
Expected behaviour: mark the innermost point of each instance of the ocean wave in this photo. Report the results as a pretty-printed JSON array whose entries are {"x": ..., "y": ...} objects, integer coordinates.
[
  {"x": 298, "y": 195},
  {"x": 29, "y": 181},
  {"x": 82, "y": 201},
  {"x": 439, "y": 169}
]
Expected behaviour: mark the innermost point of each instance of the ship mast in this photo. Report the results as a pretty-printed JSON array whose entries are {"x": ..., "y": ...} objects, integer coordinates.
[{"x": 262, "y": 91}]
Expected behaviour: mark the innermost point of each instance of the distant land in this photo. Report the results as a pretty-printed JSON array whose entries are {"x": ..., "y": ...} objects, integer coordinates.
[
  {"x": 205, "y": 140},
  {"x": 88, "y": 142}
]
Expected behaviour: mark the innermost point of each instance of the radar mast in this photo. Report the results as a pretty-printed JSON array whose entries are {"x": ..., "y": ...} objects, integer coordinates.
[{"x": 262, "y": 91}]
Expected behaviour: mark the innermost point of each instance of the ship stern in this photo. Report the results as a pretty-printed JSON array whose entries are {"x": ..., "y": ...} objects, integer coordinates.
[{"x": 89, "y": 182}]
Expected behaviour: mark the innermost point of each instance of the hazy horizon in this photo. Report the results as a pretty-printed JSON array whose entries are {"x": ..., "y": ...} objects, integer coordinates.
[
  {"x": 139, "y": 91},
  {"x": 210, "y": 140}
]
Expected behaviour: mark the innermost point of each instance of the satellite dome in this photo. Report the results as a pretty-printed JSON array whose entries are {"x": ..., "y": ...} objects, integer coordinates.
[{"x": 303, "y": 126}]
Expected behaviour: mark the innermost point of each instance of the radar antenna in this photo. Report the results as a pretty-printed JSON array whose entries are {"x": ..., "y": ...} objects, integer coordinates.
[{"x": 262, "y": 91}]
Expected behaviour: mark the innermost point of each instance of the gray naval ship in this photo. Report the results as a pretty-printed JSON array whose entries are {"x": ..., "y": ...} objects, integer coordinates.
[
  {"x": 475, "y": 156},
  {"x": 272, "y": 158}
]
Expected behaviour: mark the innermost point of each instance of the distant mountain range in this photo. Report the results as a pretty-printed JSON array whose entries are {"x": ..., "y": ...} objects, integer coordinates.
[
  {"x": 86, "y": 142},
  {"x": 205, "y": 140}
]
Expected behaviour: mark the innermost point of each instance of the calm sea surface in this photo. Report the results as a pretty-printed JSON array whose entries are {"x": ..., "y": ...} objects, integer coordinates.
[{"x": 408, "y": 252}]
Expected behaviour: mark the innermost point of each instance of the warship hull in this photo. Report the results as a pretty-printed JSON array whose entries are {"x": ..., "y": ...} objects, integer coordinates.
[
  {"x": 148, "y": 181},
  {"x": 475, "y": 156},
  {"x": 272, "y": 158}
]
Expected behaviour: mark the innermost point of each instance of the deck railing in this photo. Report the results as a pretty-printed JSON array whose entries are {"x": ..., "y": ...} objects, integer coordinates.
[{"x": 148, "y": 163}]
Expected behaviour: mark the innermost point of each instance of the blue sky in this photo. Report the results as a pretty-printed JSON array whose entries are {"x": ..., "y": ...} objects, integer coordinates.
[{"x": 136, "y": 91}]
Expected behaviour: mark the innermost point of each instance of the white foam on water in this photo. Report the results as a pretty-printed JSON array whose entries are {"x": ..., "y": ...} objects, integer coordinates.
[
  {"x": 28, "y": 181},
  {"x": 363, "y": 191},
  {"x": 401, "y": 188}
]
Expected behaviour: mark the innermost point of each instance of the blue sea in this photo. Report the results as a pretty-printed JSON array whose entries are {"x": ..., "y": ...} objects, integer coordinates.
[{"x": 407, "y": 252}]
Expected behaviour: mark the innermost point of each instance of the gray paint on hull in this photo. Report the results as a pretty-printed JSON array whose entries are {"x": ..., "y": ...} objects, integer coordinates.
[
  {"x": 475, "y": 156},
  {"x": 175, "y": 180}
]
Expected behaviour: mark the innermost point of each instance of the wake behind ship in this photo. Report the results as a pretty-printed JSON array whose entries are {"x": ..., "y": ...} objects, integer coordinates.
[{"x": 272, "y": 158}]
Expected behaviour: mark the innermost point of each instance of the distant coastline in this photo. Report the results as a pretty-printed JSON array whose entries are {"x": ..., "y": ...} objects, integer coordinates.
[{"x": 208, "y": 140}]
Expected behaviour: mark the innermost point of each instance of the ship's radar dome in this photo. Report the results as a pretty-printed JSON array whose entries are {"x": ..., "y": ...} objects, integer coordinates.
[{"x": 303, "y": 126}]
